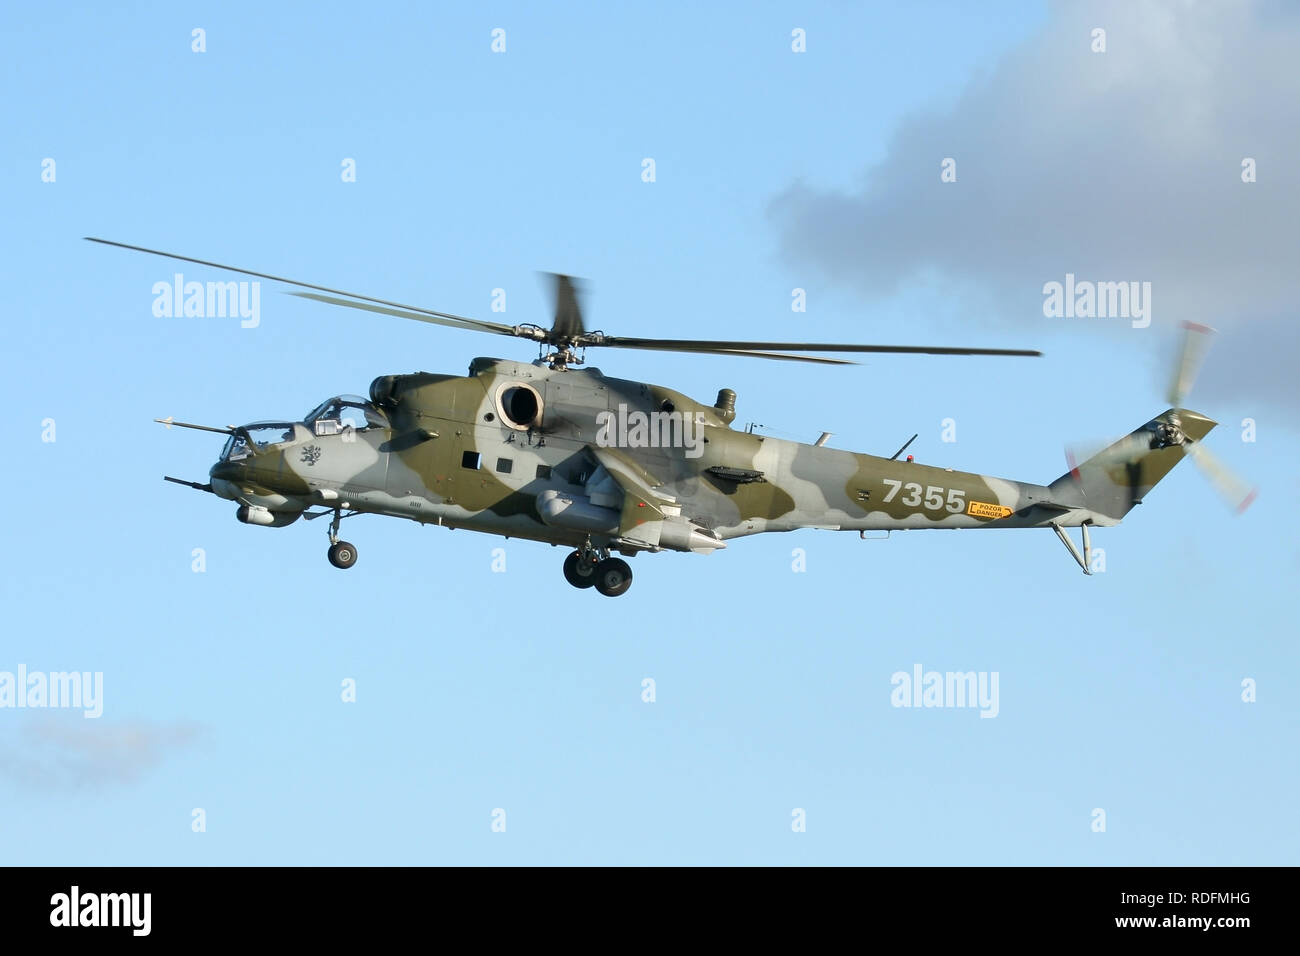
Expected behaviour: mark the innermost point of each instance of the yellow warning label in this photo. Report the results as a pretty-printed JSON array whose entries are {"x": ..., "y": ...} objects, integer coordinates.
[{"x": 981, "y": 509}]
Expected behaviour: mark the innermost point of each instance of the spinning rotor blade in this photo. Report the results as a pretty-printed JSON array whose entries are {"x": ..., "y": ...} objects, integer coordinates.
[
  {"x": 709, "y": 345},
  {"x": 1076, "y": 453},
  {"x": 782, "y": 356},
  {"x": 1128, "y": 452},
  {"x": 1195, "y": 342},
  {"x": 555, "y": 338},
  {"x": 424, "y": 315},
  {"x": 1119, "y": 458},
  {"x": 1238, "y": 493},
  {"x": 1124, "y": 450},
  {"x": 568, "y": 331},
  {"x": 567, "y": 325},
  {"x": 420, "y": 315}
]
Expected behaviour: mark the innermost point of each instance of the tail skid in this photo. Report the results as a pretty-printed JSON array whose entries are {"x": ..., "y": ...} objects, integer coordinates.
[{"x": 1084, "y": 558}]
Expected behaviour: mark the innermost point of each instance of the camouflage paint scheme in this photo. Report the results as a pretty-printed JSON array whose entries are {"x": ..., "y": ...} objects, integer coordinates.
[{"x": 450, "y": 454}]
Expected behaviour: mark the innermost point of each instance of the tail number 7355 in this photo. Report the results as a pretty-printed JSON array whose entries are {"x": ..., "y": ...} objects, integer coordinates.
[{"x": 932, "y": 496}]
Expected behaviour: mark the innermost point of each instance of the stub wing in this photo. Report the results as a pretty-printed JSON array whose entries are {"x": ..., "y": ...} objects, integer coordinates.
[{"x": 649, "y": 518}]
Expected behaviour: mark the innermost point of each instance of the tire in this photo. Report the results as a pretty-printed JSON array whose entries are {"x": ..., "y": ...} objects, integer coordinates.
[
  {"x": 613, "y": 577},
  {"x": 342, "y": 555},
  {"x": 579, "y": 572}
]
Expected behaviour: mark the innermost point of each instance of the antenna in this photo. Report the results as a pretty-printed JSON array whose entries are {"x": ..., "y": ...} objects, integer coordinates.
[{"x": 904, "y": 448}]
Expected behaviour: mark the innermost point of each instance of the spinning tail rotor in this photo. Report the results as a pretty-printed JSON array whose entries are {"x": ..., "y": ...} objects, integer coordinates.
[{"x": 1117, "y": 477}]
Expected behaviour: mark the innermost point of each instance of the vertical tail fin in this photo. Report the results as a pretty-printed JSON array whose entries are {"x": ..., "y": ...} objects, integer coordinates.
[{"x": 1118, "y": 477}]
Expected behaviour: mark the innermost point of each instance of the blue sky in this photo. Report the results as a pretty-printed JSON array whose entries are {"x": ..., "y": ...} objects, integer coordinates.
[{"x": 479, "y": 690}]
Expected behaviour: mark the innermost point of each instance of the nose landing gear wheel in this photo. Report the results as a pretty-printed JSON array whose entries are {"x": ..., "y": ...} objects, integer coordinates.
[
  {"x": 613, "y": 577},
  {"x": 580, "y": 571},
  {"x": 342, "y": 555}
]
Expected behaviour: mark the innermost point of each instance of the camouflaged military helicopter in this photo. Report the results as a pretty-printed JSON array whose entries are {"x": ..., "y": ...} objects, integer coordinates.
[{"x": 553, "y": 452}]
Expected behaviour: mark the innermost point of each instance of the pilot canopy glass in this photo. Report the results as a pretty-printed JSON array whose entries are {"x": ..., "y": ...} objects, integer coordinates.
[
  {"x": 263, "y": 434},
  {"x": 342, "y": 412}
]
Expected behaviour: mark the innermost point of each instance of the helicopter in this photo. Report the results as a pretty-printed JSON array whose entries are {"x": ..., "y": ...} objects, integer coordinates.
[{"x": 556, "y": 452}]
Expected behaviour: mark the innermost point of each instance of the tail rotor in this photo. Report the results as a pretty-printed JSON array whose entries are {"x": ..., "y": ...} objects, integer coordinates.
[
  {"x": 1231, "y": 487},
  {"x": 1131, "y": 463}
]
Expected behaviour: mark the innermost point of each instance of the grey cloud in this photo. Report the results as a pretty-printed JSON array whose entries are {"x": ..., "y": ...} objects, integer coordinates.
[
  {"x": 65, "y": 752},
  {"x": 1115, "y": 166}
]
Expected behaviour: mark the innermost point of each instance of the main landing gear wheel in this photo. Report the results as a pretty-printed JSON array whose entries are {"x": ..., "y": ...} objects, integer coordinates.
[
  {"x": 580, "y": 570},
  {"x": 613, "y": 577},
  {"x": 342, "y": 555}
]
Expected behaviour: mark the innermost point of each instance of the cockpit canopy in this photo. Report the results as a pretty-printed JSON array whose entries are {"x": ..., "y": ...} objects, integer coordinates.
[
  {"x": 263, "y": 434},
  {"x": 333, "y": 416},
  {"x": 336, "y": 414}
]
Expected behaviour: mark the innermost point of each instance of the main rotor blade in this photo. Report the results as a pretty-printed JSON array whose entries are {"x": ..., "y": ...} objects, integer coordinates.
[
  {"x": 474, "y": 324},
  {"x": 454, "y": 322},
  {"x": 568, "y": 312},
  {"x": 1196, "y": 340},
  {"x": 1237, "y": 492},
  {"x": 568, "y": 325},
  {"x": 746, "y": 353},
  {"x": 709, "y": 345}
]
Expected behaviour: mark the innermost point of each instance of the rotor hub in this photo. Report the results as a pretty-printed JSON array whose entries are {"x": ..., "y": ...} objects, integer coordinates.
[{"x": 1168, "y": 434}]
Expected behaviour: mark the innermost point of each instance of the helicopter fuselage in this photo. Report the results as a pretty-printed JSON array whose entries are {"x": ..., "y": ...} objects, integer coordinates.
[{"x": 572, "y": 457}]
